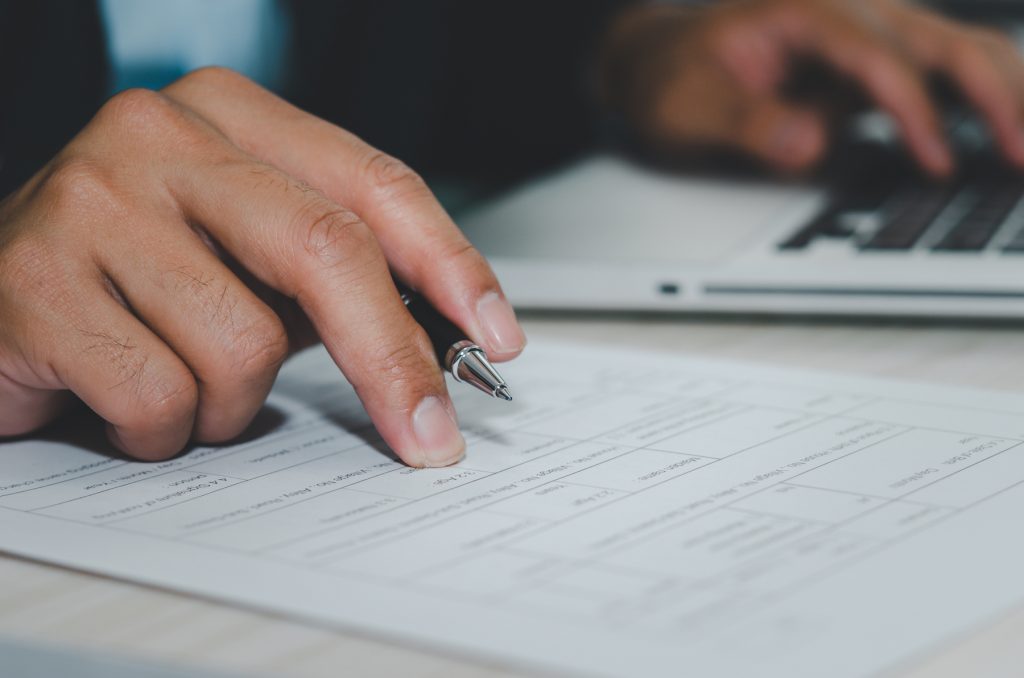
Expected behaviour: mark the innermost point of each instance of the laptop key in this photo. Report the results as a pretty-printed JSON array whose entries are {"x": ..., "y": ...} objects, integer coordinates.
[
  {"x": 867, "y": 195},
  {"x": 980, "y": 223},
  {"x": 815, "y": 227},
  {"x": 906, "y": 218}
]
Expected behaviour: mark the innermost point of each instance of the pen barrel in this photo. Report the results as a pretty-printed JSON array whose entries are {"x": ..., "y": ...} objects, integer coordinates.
[{"x": 443, "y": 334}]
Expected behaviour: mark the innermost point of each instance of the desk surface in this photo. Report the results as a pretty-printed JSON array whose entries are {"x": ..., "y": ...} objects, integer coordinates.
[{"x": 70, "y": 609}]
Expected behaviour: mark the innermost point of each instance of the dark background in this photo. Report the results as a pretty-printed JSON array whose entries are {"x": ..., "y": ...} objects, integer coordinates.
[
  {"x": 483, "y": 90},
  {"x": 475, "y": 92}
]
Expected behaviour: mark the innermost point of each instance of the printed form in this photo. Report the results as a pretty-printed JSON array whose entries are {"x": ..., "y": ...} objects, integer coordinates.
[{"x": 625, "y": 515}]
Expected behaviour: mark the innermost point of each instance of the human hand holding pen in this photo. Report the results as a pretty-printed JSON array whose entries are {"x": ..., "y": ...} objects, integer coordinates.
[
  {"x": 167, "y": 261},
  {"x": 717, "y": 75}
]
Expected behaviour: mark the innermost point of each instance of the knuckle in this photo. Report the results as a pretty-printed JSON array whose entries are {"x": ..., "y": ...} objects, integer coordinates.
[
  {"x": 196, "y": 284},
  {"x": 141, "y": 119},
  {"x": 75, "y": 184},
  {"x": 333, "y": 236},
  {"x": 215, "y": 301},
  {"x": 407, "y": 366},
  {"x": 251, "y": 335},
  {"x": 214, "y": 76},
  {"x": 260, "y": 348},
  {"x": 150, "y": 394},
  {"x": 168, "y": 400},
  {"x": 389, "y": 174},
  {"x": 158, "y": 399},
  {"x": 462, "y": 258},
  {"x": 137, "y": 111},
  {"x": 462, "y": 252}
]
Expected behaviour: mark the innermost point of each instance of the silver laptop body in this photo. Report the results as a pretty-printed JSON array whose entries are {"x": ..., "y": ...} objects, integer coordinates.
[{"x": 607, "y": 233}]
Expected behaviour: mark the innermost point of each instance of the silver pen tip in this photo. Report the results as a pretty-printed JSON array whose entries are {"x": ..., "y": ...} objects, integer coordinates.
[{"x": 502, "y": 392}]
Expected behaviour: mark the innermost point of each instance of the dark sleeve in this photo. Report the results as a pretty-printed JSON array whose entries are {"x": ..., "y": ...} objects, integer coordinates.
[
  {"x": 459, "y": 87},
  {"x": 53, "y": 69}
]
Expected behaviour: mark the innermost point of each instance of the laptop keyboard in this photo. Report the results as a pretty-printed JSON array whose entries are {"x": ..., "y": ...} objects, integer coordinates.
[
  {"x": 905, "y": 217},
  {"x": 880, "y": 213},
  {"x": 974, "y": 229}
]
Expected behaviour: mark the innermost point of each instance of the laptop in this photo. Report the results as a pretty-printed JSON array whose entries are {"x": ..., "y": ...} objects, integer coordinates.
[
  {"x": 609, "y": 233},
  {"x": 871, "y": 236}
]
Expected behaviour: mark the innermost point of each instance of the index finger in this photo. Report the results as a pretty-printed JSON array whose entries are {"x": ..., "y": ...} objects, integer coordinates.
[
  {"x": 420, "y": 241},
  {"x": 322, "y": 255}
]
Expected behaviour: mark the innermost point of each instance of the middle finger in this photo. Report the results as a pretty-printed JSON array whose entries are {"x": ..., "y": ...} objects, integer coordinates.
[{"x": 230, "y": 340}]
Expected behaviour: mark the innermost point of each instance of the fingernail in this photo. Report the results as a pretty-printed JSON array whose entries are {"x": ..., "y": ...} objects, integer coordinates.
[
  {"x": 440, "y": 441},
  {"x": 498, "y": 321}
]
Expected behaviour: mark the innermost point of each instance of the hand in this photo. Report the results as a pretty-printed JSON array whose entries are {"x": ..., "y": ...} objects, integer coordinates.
[
  {"x": 164, "y": 264},
  {"x": 716, "y": 75}
]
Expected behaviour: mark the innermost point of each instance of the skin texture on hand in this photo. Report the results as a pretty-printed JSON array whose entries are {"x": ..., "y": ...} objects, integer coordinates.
[
  {"x": 167, "y": 261},
  {"x": 717, "y": 75}
]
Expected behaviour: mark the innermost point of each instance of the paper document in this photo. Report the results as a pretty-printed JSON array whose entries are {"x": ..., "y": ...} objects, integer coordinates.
[{"x": 626, "y": 515}]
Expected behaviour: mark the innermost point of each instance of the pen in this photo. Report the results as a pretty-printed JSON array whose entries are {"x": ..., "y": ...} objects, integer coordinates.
[{"x": 466, "y": 361}]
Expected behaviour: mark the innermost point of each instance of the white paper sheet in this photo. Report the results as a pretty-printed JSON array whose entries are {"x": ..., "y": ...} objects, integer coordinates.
[{"x": 626, "y": 515}]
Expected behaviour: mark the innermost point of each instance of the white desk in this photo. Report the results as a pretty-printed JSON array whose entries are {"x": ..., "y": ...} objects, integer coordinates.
[{"x": 48, "y": 604}]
